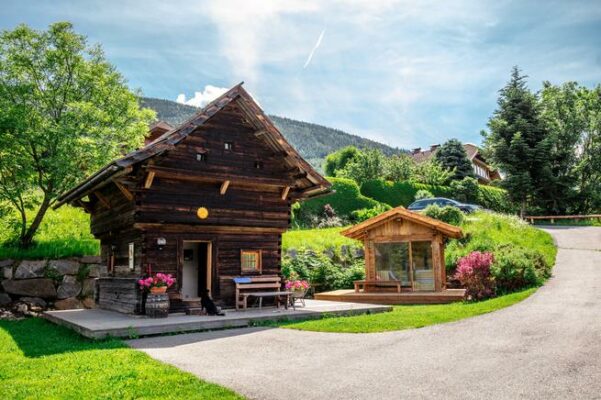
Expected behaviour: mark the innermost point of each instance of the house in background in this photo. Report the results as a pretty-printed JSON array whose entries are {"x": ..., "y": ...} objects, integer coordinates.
[{"x": 484, "y": 172}]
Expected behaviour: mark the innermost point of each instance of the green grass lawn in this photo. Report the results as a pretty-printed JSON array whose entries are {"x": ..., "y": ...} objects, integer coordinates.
[
  {"x": 487, "y": 231},
  {"x": 39, "y": 360},
  {"x": 408, "y": 317},
  {"x": 316, "y": 239},
  {"x": 63, "y": 233}
]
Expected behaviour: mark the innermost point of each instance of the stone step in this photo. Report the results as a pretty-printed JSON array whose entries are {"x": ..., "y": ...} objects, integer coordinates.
[{"x": 195, "y": 311}]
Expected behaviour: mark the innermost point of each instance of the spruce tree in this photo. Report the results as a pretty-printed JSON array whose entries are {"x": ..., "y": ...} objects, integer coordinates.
[
  {"x": 452, "y": 155},
  {"x": 518, "y": 142}
]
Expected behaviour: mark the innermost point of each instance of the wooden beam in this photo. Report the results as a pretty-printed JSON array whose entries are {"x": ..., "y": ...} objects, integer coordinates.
[
  {"x": 224, "y": 187},
  {"x": 85, "y": 205},
  {"x": 103, "y": 200},
  {"x": 149, "y": 179},
  {"x": 285, "y": 192},
  {"x": 179, "y": 228},
  {"x": 187, "y": 175},
  {"x": 124, "y": 190}
]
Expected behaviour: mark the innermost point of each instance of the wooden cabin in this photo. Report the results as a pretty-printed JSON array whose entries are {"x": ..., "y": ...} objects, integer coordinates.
[
  {"x": 206, "y": 201},
  {"x": 404, "y": 260}
]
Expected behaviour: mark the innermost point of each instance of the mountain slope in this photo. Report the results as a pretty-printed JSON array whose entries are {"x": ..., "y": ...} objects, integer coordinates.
[{"x": 312, "y": 141}]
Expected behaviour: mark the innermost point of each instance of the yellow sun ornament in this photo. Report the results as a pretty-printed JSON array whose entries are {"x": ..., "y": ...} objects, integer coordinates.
[{"x": 202, "y": 213}]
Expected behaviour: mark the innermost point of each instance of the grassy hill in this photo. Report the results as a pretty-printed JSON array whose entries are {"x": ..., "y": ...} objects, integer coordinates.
[{"x": 313, "y": 141}]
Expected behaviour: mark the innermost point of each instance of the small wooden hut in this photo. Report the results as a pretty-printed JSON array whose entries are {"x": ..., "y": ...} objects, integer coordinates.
[
  {"x": 206, "y": 201},
  {"x": 404, "y": 260}
]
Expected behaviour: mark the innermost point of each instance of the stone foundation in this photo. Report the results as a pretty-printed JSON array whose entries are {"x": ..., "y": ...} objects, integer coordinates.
[{"x": 28, "y": 287}]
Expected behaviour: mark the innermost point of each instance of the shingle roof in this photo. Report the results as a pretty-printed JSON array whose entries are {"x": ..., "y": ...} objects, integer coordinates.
[
  {"x": 357, "y": 231},
  {"x": 172, "y": 137}
]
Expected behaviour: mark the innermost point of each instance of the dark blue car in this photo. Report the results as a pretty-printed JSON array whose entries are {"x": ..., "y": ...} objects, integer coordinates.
[{"x": 420, "y": 205}]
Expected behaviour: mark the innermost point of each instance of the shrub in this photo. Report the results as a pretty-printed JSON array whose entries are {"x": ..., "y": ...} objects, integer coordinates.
[
  {"x": 324, "y": 273},
  {"x": 495, "y": 199},
  {"x": 367, "y": 213},
  {"x": 517, "y": 268},
  {"x": 344, "y": 201},
  {"x": 473, "y": 272},
  {"x": 449, "y": 214},
  {"x": 399, "y": 193},
  {"x": 466, "y": 190},
  {"x": 423, "y": 194},
  {"x": 524, "y": 255},
  {"x": 403, "y": 193}
]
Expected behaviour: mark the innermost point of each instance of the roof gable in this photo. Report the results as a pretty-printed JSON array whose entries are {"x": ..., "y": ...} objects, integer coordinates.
[
  {"x": 264, "y": 129},
  {"x": 357, "y": 231}
]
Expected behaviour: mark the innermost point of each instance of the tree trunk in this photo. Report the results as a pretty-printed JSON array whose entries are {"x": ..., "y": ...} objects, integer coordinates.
[
  {"x": 523, "y": 209},
  {"x": 27, "y": 239}
]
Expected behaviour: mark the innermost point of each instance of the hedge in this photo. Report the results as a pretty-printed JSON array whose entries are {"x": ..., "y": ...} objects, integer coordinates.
[
  {"x": 403, "y": 193},
  {"x": 346, "y": 199},
  {"x": 400, "y": 193}
]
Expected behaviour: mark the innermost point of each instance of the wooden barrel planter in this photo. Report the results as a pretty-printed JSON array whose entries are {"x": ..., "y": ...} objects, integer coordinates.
[{"x": 157, "y": 305}]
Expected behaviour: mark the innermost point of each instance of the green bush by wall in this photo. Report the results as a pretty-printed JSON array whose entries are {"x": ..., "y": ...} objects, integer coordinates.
[
  {"x": 346, "y": 199},
  {"x": 403, "y": 193},
  {"x": 400, "y": 193}
]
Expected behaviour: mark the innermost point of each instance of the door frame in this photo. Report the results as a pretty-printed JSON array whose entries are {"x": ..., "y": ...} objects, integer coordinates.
[{"x": 209, "y": 263}]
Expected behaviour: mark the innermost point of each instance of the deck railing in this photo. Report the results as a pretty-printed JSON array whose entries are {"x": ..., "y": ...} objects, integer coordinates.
[{"x": 552, "y": 218}]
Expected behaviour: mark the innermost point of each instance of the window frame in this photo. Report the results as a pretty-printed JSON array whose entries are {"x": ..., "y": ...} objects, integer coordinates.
[
  {"x": 228, "y": 145},
  {"x": 258, "y": 268}
]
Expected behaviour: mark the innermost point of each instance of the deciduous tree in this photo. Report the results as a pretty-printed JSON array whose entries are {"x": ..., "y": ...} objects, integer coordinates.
[{"x": 64, "y": 112}]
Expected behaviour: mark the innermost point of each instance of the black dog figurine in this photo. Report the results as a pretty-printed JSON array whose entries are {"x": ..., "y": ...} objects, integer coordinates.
[{"x": 207, "y": 303}]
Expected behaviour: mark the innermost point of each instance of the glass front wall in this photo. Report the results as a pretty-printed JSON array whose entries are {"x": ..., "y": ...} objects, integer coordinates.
[
  {"x": 423, "y": 273},
  {"x": 393, "y": 264}
]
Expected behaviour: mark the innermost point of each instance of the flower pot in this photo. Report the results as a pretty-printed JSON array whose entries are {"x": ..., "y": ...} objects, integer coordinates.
[
  {"x": 158, "y": 290},
  {"x": 157, "y": 305}
]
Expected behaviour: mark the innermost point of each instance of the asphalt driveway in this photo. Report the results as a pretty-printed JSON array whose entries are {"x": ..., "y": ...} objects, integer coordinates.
[{"x": 546, "y": 347}]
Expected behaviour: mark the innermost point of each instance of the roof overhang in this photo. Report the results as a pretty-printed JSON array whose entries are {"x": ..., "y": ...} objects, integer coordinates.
[
  {"x": 265, "y": 130},
  {"x": 359, "y": 231}
]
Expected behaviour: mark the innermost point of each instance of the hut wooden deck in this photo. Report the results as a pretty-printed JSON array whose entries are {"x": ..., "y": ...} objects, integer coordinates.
[{"x": 404, "y": 260}]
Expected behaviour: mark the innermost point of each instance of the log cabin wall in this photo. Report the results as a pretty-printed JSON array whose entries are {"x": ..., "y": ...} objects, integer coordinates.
[
  {"x": 167, "y": 207},
  {"x": 228, "y": 159},
  {"x": 112, "y": 221}
]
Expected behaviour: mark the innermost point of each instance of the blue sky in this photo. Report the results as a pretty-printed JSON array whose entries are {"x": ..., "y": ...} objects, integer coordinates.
[{"x": 405, "y": 73}]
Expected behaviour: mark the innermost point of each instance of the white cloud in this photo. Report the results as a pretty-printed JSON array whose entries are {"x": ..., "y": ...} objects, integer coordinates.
[
  {"x": 317, "y": 44},
  {"x": 248, "y": 31},
  {"x": 200, "y": 99}
]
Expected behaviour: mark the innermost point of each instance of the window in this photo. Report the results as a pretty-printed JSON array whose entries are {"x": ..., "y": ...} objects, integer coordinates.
[
  {"x": 258, "y": 164},
  {"x": 228, "y": 146},
  {"x": 201, "y": 156},
  {"x": 250, "y": 261},
  {"x": 407, "y": 262}
]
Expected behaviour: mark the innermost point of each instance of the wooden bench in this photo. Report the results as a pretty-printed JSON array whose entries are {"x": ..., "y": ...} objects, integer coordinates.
[
  {"x": 247, "y": 286},
  {"x": 366, "y": 283}
]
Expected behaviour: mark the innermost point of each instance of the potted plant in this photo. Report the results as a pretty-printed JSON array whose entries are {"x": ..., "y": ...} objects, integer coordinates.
[
  {"x": 157, "y": 284},
  {"x": 298, "y": 287},
  {"x": 157, "y": 301}
]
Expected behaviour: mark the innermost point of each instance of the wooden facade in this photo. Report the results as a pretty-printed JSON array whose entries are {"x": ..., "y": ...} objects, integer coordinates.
[
  {"x": 193, "y": 199},
  {"x": 404, "y": 258}
]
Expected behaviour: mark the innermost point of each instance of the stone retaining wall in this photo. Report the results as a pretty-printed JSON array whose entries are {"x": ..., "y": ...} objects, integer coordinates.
[{"x": 31, "y": 286}]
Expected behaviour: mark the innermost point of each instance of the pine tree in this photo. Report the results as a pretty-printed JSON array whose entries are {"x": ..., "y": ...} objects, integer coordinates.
[
  {"x": 518, "y": 142},
  {"x": 452, "y": 155}
]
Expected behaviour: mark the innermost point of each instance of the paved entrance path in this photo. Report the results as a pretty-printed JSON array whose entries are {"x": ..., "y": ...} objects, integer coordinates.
[{"x": 548, "y": 346}]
